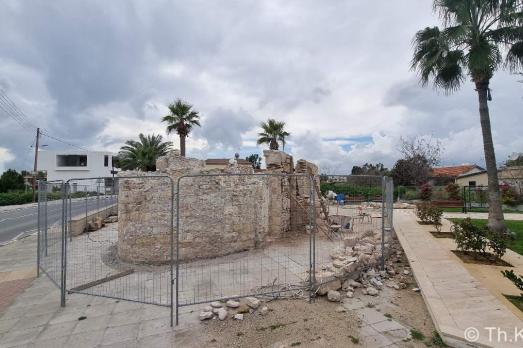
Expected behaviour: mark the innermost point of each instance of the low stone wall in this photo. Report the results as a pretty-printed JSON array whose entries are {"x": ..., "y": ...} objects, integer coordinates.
[{"x": 220, "y": 214}]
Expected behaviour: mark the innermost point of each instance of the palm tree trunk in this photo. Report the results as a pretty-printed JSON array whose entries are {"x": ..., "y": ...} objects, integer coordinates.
[
  {"x": 182, "y": 145},
  {"x": 496, "y": 221}
]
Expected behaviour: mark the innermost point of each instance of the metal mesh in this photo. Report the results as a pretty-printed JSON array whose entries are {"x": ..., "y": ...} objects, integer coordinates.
[{"x": 232, "y": 241}]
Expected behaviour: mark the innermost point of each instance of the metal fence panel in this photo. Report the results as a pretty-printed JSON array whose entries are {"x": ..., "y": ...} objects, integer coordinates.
[{"x": 225, "y": 224}]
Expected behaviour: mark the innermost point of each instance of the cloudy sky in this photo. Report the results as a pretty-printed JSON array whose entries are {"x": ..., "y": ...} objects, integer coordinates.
[{"x": 337, "y": 72}]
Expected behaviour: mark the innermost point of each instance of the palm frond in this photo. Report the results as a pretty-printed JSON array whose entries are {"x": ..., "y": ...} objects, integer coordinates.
[{"x": 514, "y": 60}]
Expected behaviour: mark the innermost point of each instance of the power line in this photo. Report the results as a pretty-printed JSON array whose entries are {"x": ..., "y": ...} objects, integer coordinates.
[{"x": 12, "y": 110}]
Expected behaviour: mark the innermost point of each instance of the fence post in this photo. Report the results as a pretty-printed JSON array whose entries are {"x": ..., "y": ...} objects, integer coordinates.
[
  {"x": 172, "y": 254},
  {"x": 383, "y": 192},
  {"x": 177, "y": 247},
  {"x": 39, "y": 225},
  {"x": 64, "y": 239},
  {"x": 45, "y": 217}
]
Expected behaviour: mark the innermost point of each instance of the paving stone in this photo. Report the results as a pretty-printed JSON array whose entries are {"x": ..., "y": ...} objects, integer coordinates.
[
  {"x": 370, "y": 316},
  {"x": 120, "y": 334},
  {"x": 30, "y": 321},
  {"x": 56, "y": 342},
  {"x": 7, "y": 324},
  {"x": 154, "y": 327},
  {"x": 387, "y": 325},
  {"x": 91, "y": 324},
  {"x": 160, "y": 340},
  {"x": 89, "y": 339},
  {"x": 125, "y": 318},
  {"x": 15, "y": 337},
  {"x": 57, "y": 330},
  {"x": 376, "y": 341}
]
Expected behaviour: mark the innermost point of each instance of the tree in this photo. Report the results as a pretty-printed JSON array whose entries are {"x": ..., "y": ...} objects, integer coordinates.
[
  {"x": 182, "y": 119},
  {"x": 11, "y": 180},
  {"x": 255, "y": 160},
  {"x": 411, "y": 171},
  {"x": 420, "y": 154},
  {"x": 377, "y": 169},
  {"x": 142, "y": 155},
  {"x": 476, "y": 33},
  {"x": 515, "y": 160},
  {"x": 272, "y": 132}
]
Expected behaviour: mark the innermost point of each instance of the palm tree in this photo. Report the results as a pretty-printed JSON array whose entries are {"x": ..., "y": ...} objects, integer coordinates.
[
  {"x": 272, "y": 132},
  {"x": 142, "y": 155},
  {"x": 476, "y": 33},
  {"x": 181, "y": 120}
]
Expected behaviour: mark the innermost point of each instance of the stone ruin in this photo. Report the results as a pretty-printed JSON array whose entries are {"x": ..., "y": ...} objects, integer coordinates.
[{"x": 219, "y": 214}]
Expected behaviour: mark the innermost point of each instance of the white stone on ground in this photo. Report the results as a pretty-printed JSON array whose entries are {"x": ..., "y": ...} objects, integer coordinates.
[
  {"x": 232, "y": 304},
  {"x": 252, "y": 302},
  {"x": 371, "y": 291},
  {"x": 222, "y": 313},
  {"x": 350, "y": 294},
  {"x": 264, "y": 310},
  {"x": 238, "y": 316},
  {"x": 216, "y": 304},
  {"x": 333, "y": 296},
  {"x": 206, "y": 315},
  {"x": 341, "y": 309}
]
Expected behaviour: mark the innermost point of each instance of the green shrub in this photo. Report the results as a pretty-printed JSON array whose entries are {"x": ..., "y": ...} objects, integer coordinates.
[
  {"x": 498, "y": 243},
  {"x": 517, "y": 281},
  {"x": 17, "y": 197},
  {"x": 426, "y": 192},
  {"x": 470, "y": 237},
  {"x": 411, "y": 195},
  {"x": 429, "y": 214},
  {"x": 509, "y": 196}
]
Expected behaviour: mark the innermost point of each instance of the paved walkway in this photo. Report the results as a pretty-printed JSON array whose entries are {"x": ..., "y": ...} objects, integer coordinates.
[
  {"x": 508, "y": 216},
  {"x": 456, "y": 300}
]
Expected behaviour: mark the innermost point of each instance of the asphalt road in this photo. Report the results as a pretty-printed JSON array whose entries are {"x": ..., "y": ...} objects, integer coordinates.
[{"x": 18, "y": 222}]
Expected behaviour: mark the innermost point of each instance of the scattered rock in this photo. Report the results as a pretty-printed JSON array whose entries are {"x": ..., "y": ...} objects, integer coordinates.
[
  {"x": 216, "y": 304},
  {"x": 371, "y": 291},
  {"x": 243, "y": 308},
  {"x": 232, "y": 304},
  {"x": 206, "y": 315},
  {"x": 376, "y": 283},
  {"x": 406, "y": 272},
  {"x": 341, "y": 309},
  {"x": 416, "y": 289},
  {"x": 332, "y": 285},
  {"x": 238, "y": 316},
  {"x": 350, "y": 294},
  {"x": 207, "y": 309},
  {"x": 338, "y": 263},
  {"x": 353, "y": 284},
  {"x": 252, "y": 302},
  {"x": 333, "y": 296},
  {"x": 222, "y": 313},
  {"x": 111, "y": 219},
  {"x": 264, "y": 310}
]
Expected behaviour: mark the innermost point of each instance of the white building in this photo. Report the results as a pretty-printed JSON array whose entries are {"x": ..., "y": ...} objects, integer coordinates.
[{"x": 66, "y": 165}]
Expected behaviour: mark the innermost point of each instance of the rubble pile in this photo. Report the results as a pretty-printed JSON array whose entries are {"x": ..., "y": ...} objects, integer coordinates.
[
  {"x": 355, "y": 265},
  {"x": 231, "y": 308}
]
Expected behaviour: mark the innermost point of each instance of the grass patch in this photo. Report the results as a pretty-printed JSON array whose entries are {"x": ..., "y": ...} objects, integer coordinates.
[
  {"x": 295, "y": 344},
  {"x": 516, "y": 301},
  {"x": 477, "y": 210},
  {"x": 437, "y": 340},
  {"x": 354, "y": 340},
  {"x": 417, "y": 335},
  {"x": 513, "y": 226}
]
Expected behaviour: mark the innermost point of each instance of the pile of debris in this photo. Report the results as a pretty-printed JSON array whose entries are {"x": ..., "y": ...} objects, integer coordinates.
[
  {"x": 233, "y": 308},
  {"x": 355, "y": 266}
]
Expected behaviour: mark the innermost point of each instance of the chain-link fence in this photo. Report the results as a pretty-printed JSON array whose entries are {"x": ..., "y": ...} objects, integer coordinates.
[{"x": 200, "y": 238}]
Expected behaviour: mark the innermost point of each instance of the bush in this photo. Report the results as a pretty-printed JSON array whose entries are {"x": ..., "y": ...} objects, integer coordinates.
[
  {"x": 517, "y": 281},
  {"x": 426, "y": 192},
  {"x": 453, "y": 191},
  {"x": 509, "y": 196},
  {"x": 17, "y": 197},
  {"x": 470, "y": 237},
  {"x": 498, "y": 243},
  {"x": 429, "y": 214}
]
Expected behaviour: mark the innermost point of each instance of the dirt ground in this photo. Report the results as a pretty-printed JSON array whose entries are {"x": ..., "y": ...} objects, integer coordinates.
[{"x": 295, "y": 322}]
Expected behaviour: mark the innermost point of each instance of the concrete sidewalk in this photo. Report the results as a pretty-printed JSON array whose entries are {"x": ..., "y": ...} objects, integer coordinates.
[
  {"x": 460, "y": 305},
  {"x": 508, "y": 216}
]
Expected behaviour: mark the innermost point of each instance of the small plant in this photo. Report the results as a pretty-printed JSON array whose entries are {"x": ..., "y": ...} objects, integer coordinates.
[
  {"x": 517, "y": 281},
  {"x": 417, "y": 335},
  {"x": 453, "y": 191},
  {"x": 354, "y": 340},
  {"x": 509, "y": 196},
  {"x": 429, "y": 214},
  {"x": 470, "y": 237},
  {"x": 437, "y": 340},
  {"x": 498, "y": 243},
  {"x": 388, "y": 315},
  {"x": 426, "y": 192}
]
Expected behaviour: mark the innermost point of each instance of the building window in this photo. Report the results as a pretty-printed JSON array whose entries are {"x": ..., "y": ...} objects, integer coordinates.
[
  {"x": 71, "y": 160},
  {"x": 472, "y": 183},
  {"x": 106, "y": 161}
]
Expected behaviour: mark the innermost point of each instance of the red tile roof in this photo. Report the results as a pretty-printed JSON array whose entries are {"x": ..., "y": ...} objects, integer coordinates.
[{"x": 453, "y": 171}]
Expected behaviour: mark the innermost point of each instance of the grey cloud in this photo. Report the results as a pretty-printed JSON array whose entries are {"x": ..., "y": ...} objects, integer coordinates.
[{"x": 224, "y": 128}]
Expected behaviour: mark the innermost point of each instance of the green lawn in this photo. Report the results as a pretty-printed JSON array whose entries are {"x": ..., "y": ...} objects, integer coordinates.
[
  {"x": 476, "y": 210},
  {"x": 513, "y": 226}
]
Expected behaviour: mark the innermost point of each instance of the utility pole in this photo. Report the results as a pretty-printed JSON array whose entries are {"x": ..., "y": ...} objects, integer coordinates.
[{"x": 35, "y": 169}]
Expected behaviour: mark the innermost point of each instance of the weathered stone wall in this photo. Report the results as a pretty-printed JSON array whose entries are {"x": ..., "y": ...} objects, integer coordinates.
[{"x": 219, "y": 214}]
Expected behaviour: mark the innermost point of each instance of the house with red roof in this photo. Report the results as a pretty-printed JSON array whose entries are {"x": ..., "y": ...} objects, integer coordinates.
[{"x": 440, "y": 176}]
